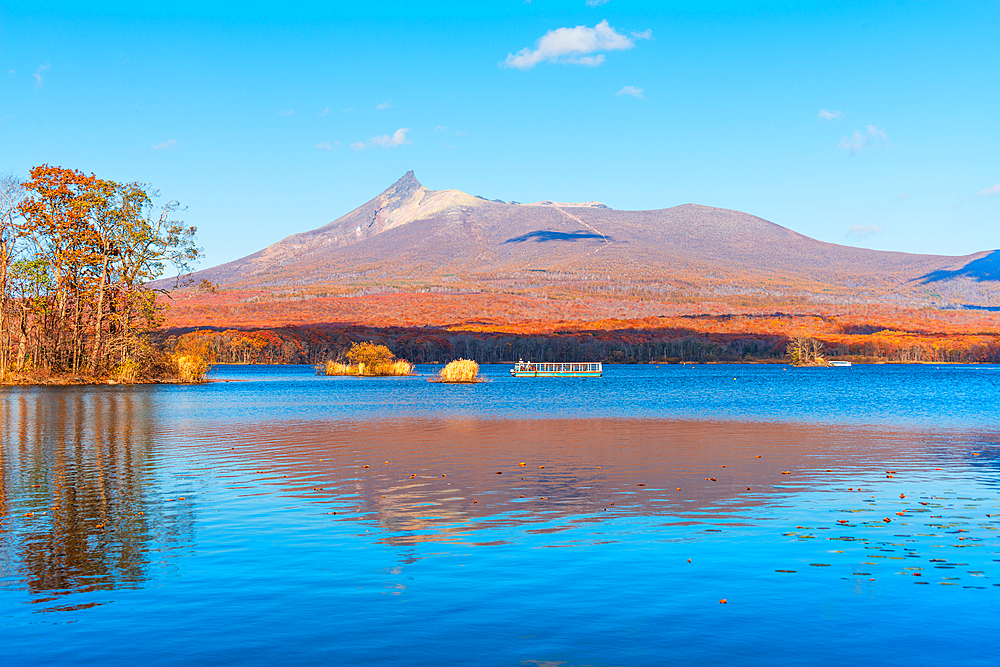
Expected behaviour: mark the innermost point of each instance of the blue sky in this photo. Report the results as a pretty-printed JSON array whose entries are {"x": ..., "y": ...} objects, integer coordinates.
[{"x": 864, "y": 123}]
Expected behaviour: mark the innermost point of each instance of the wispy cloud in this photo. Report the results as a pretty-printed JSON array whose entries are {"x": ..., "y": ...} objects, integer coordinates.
[
  {"x": 631, "y": 90},
  {"x": 447, "y": 130},
  {"x": 573, "y": 46},
  {"x": 169, "y": 143},
  {"x": 324, "y": 112},
  {"x": 382, "y": 106},
  {"x": 990, "y": 191},
  {"x": 288, "y": 112},
  {"x": 325, "y": 145},
  {"x": 597, "y": 3},
  {"x": 862, "y": 231},
  {"x": 872, "y": 136},
  {"x": 397, "y": 138},
  {"x": 830, "y": 115},
  {"x": 38, "y": 74}
]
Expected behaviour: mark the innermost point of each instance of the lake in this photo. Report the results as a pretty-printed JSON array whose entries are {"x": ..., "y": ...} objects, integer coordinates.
[{"x": 709, "y": 514}]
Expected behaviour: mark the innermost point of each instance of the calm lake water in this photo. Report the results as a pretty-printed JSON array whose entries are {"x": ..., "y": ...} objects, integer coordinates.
[{"x": 279, "y": 517}]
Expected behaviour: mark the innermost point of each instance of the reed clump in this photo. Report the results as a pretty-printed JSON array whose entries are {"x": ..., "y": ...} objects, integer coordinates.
[
  {"x": 369, "y": 360},
  {"x": 191, "y": 367},
  {"x": 460, "y": 370}
]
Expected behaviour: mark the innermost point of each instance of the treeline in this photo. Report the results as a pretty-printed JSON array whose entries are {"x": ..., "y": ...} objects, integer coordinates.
[
  {"x": 76, "y": 253},
  {"x": 316, "y": 344}
]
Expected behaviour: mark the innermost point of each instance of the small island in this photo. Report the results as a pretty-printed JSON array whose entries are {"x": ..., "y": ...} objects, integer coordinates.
[
  {"x": 459, "y": 371},
  {"x": 368, "y": 360}
]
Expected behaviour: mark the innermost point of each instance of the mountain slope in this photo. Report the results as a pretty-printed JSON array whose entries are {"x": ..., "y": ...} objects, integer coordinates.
[{"x": 412, "y": 238}]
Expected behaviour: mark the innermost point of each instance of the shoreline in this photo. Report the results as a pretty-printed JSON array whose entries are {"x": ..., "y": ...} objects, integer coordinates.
[{"x": 79, "y": 381}]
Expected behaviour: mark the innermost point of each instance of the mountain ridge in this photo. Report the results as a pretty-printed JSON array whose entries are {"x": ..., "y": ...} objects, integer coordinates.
[{"x": 410, "y": 238}]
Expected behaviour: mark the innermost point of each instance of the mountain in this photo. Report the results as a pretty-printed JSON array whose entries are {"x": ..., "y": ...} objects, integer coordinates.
[{"x": 410, "y": 238}]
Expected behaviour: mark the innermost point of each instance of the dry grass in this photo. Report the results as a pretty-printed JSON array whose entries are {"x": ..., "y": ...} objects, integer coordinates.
[
  {"x": 460, "y": 370},
  {"x": 395, "y": 367},
  {"x": 190, "y": 367},
  {"x": 336, "y": 368}
]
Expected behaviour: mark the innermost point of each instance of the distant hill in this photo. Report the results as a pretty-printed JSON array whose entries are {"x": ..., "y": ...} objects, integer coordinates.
[{"x": 410, "y": 238}]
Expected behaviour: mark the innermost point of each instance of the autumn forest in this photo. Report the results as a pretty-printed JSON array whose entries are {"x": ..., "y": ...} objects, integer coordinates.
[{"x": 76, "y": 253}]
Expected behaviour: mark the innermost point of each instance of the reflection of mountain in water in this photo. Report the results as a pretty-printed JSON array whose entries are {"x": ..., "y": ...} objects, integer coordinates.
[
  {"x": 77, "y": 473},
  {"x": 430, "y": 480}
]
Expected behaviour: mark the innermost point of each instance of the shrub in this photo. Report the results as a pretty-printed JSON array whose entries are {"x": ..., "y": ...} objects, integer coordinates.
[{"x": 460, "y": 370}]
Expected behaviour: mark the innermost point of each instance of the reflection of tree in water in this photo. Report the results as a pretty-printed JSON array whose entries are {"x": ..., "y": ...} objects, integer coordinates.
[{"x": 80, "y": 462}]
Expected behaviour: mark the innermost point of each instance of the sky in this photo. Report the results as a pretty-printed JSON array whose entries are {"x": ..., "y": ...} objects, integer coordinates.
[{"x": 874, "y": 124}]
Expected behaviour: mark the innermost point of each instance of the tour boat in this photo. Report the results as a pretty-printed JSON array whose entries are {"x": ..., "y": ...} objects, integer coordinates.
[
  {"x": 533, "y": 369},
  {"x": 840, "y": 363}
]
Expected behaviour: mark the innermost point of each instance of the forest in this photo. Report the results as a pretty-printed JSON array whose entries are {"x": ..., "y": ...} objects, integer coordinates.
[
  {"x": 700, "y": 339},
  {"x": 76, "y": 254}
]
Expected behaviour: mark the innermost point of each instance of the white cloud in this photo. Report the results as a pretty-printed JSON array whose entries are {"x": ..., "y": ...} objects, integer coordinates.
[
  {"x": 324, "y": 112},
  {"x": 382, "y": 106},
  {"x": 872, "y": 136},
  {"x": 991, "y": 191},
  {"x": 862, "y": 231},
  {"x": 461, "y": 133},
  {"x": 830, "y": 115},
  {"x": 597, "y": 3},
  {"x": 38, "y": 74},
  {"x": 398, "y": 138},
  {"x": 325, "y": 145},
  {"x": 166, "y": 144},
  {"x": 631, "y": 90},
  {"x": 645, "y": 34},
  {"x": 289, "y": 112},
  {"x": 573, "y": 46}
]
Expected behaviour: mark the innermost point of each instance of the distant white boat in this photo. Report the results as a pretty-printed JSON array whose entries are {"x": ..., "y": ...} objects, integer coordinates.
[{"x": 840, "y": 363}]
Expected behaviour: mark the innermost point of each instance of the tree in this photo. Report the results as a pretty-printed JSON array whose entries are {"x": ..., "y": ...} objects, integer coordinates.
[
  {"x": 803, "y": 351},
  {"x": 370, "y": 354},
  {"x": 11, "y": 194},
  {"x": 100, "y": 242}
]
